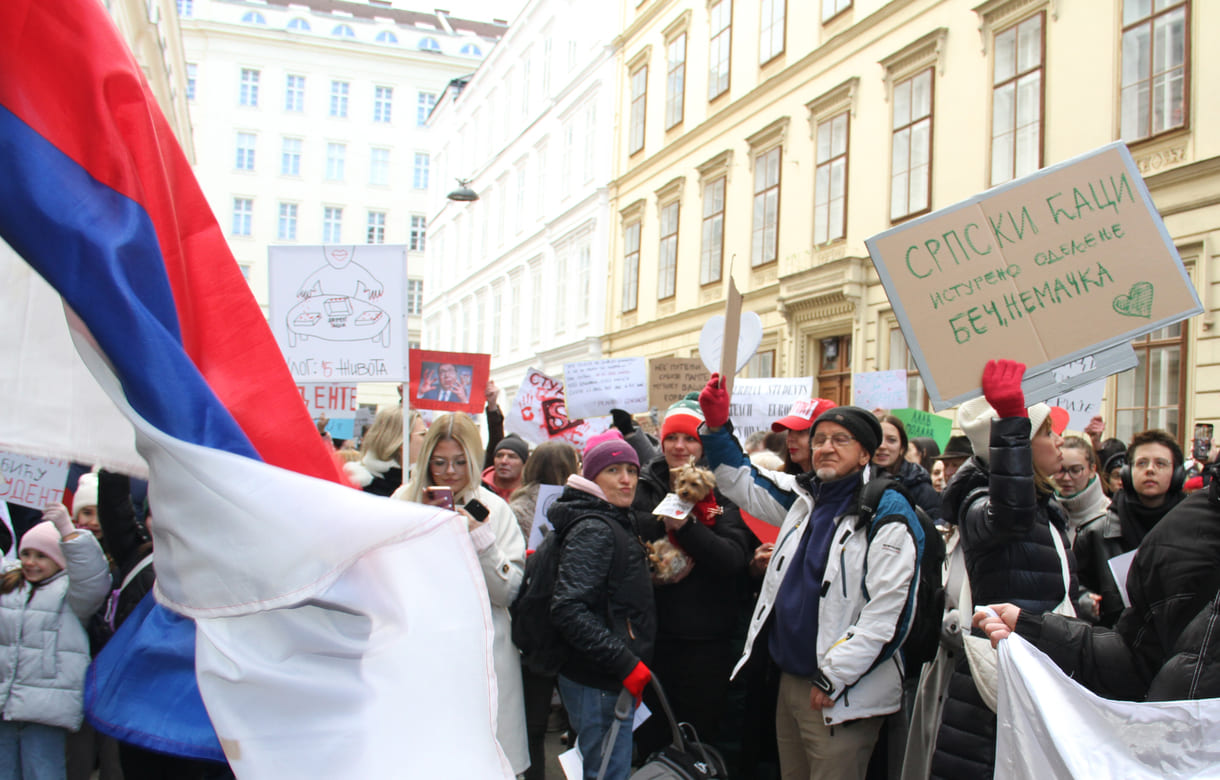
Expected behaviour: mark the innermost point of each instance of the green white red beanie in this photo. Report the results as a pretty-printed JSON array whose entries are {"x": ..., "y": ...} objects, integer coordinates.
[{"x": 685, "y": 416}]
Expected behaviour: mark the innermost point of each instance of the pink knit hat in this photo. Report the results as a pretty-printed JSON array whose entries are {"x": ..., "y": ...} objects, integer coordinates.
[{"x": 45, "y": 539}]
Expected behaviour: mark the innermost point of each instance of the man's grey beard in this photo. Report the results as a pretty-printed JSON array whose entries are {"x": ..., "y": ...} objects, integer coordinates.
[{"x": 826, "y": 473}]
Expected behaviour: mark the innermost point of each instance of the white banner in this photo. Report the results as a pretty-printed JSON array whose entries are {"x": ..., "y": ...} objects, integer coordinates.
[{"x": 756, "y": 403}]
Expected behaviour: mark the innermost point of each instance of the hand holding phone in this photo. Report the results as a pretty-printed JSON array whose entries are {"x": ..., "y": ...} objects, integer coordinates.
[
  {"x": 477, "y": 510},
  {"x": 438, "y": 495}
]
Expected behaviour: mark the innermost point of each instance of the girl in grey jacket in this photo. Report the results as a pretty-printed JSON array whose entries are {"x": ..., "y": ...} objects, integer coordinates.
[{"x": 44, "y": 651}]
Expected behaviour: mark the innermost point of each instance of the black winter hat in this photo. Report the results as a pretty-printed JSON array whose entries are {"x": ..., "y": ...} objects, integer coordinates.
[
  {"x": 515, "y": 444},
  {"x": 860, "y": 422}
]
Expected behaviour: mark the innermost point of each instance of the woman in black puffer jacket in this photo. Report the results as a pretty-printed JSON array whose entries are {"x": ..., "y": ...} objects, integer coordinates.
[{"x": 1002, "y": 501}]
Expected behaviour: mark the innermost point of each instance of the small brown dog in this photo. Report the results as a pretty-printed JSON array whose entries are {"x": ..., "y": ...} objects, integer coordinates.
[{"x": 693, "y": 483}]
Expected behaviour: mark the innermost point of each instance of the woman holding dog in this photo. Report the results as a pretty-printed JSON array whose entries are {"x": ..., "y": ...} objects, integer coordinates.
[{"x": 699, "y": 579}]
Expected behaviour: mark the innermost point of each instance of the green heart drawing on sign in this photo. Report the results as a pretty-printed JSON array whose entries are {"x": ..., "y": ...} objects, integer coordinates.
[{"x": 1136, "y": 303}]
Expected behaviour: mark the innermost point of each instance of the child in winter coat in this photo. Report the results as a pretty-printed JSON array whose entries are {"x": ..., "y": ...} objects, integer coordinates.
[{"x": 44, "y": 651}]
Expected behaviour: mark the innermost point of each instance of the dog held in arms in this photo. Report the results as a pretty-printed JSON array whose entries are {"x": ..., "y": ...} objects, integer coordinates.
[{"x": 694, "y": 485}]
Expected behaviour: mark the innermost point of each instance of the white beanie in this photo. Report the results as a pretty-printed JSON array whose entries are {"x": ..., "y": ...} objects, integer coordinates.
[
  {"x": 974, "y": 418},
  {"x": 86, "y": 493}
]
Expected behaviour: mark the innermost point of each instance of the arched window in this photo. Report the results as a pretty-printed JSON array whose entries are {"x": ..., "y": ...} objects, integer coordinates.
[
  {"x": 470, "y": 50},
  {"x": 299, "y": 24},
  {"x": 385, "y": 36},
  {"x": 429, "y": 44},
  {"x": 254, "y": 17},
  {"x": 343, "y": 31}
]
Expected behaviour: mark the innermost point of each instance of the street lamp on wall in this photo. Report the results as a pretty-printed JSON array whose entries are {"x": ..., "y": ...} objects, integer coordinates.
[{"x": 463, "y": 194}]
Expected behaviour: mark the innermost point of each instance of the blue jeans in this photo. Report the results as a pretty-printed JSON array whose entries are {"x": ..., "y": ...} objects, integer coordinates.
[
  {"x": 591, "y": 711},
  {"x": 31, "y": 751}
]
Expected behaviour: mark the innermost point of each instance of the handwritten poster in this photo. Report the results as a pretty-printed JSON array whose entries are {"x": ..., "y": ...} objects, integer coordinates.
[
  {"x": 594, "y": 387},
  {"x": 339, "y": 312},
  {"x": 1070, "y": 261},
  {"x": 449, "y": 381},
  {"x": 670, "y": 379},
  {"x": 539, "y": 413},
  {"x": 1081, "y": 403},
  {"x": 921, "y": 424},
  {"x": 756, "y": 403},
  {"x": 879, "y": 389},
  {"x": 30, "y": 481}
]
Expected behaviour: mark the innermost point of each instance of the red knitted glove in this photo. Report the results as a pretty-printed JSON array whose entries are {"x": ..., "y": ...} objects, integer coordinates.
[
  {"x": 714, "y": 401},
  {"x": 1002, "y": 387},
  {"x": 636, "y": 681}
]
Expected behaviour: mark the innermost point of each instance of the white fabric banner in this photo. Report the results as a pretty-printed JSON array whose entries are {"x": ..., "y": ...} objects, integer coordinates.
[{"x": 1051, "y": 727}]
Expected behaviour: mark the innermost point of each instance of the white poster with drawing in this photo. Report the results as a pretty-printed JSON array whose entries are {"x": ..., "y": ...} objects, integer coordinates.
[
  {"x": 339, "y": 311},
  {"x": 1082, "y": 402}
]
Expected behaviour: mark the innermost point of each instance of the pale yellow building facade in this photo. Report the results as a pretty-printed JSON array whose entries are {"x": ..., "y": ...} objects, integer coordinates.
[{"x": 776, "y": 136}]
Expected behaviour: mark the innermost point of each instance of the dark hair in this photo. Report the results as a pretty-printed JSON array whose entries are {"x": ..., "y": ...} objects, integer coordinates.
[
  {"x": 1155, "y": 436},
  {"x": 1108, "y": 449},
  {"x": 777, "y": 442},
  {"x": 927, "y": 448},
  {"x": 1079, "y": 443},
  {"x": 902, "y": 434},
  {"x": 550, "y": 464}
]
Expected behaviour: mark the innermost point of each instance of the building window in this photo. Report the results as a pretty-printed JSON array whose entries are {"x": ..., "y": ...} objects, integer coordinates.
[
  {"x": 830, "y": 180},
  {"x": 1154, "y": 67},
  {"x": 1016, "y": 102},
  {"x": 343, "y": 31},
  {"x": 379, "y": 166},
  {"x": 332, "y": 225},
  {"x": 419, "y": 174},
  {"x": 253, "y": 17},
  {"x": 719, "y": 48},
  {"x": 514, "y": 314},
  {"x": 287, "y": 230},
  {"x": 248, "y": 94},
  {"x": 385, "y": 36},
  {"x": 771, "y": 33},
  {"x": 834, "y": 369},
  {"x": 299, "y": 24},
  {"x": 192, "y": 71},
  {"x": 912, "y": 146},
  {"x": 376, "y": 228},
  {"x": 631, "y": 267},
  {"x": 470, "y": 50},
  {"x": 1151, "y": 394},
  {"x": 186, "y": 8},
  {"x": 497, "y": 314},
  {"x": 338, "y": 98},
  {"x": 561, "y": 292},
  {"x": 675, "y": 80},
  {"x": 536, "y": 320},
  {"x": 639, "y": 97},
  {"x": 243, "y": 216},
  {"x": 294, "y": 93},
  {"x": 667, "y": 261},
  {"x": 419, "y": 233},
  {"x": 583, "y": 280},
  {"x": 429, "y": 44},
  {"x": 832, "y": 8},
  {"x": 764, "y": 244},
  {"x": 762, "y": 365},
  {"x": 245, "y": 151},
  {"x": 424, "y": 108},
  {"x": 383, "y": 99},
  {"x": 901, "y": 359},
  {"x": 336, "y": 156},
  {"x": 590, "y": 134},
  {"x": 290, "y": 157},
  {"x": 711, "y": 254},
  {"x": 415, "y": 296}
]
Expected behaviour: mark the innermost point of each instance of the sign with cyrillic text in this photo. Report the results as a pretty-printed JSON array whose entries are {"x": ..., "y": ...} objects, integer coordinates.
[
  {"x": 1071, "y": 261},
  {"x": 30, "y": 481},
  {"x": 540, "y": 412},
  {"x": 594, "y": 387},
  {"x": 670, "y": 379}
]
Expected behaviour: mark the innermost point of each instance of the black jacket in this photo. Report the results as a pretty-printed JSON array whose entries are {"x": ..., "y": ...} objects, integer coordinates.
[
  {"x": 918, "y": 483},
  {"x": 603, "y": 602},
  {"x": 125, "y": 540},
  {"x": 1006, "y": 528},
  {"x": 706, "y": 603},
  {"x": 1166, "y": 645}
]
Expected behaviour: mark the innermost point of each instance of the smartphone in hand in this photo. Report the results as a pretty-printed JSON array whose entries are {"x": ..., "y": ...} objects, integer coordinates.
[
  {"x": 1202, "y": 442},
  {"x": 440, "y": 496},
  {"x": 477, "y": 510}
]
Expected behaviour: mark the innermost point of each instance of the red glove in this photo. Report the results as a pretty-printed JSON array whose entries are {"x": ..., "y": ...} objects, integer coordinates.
[
  {"x": 1002, "y": 387},
  {"x": 714, "y": 401},
  {"x": 636, "y": 681}
]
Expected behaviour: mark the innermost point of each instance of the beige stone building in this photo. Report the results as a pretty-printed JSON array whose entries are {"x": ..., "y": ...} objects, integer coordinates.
[{"x": 775, "y": 136}]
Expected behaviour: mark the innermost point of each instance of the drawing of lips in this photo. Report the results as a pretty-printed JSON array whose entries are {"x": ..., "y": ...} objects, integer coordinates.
[{"x": 1137, "y": 302}]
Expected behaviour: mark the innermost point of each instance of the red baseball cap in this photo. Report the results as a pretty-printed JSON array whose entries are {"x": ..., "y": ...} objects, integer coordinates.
[{"x": 802, "y": 415}]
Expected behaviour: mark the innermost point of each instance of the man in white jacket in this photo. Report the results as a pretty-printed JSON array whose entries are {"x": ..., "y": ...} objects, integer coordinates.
[{"x": 841, "y": 588}]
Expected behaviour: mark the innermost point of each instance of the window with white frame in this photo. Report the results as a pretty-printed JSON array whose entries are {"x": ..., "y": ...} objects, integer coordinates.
[
  {"x": 383, "y": 100},
  {"x": 901, "y": 358},
  {"x": 186, "y": 8},
  {"x": 247, "y": 94},
  {"x": 1016, "y": 101},
  {"x": 294, "y": 93},
  {"x": 764, "y": 239},
  {"x": 415, "y": 296},
  {"x": 771, "y": 30},
  {"x": 243, "y": 216},
  {"x": 379, "y": 166},
  {"x": 830, "y": 180},
  {"x": 720, "y": 45},
  {"x": 590, "y": 139},
  {"x": 338, "y": 98},
  {"x": 253, "y": 17},
  {"x": 245, "y": 151},
  {"x": 631, "y": 266},
  {"x": 514, "y": 314},
  {"x": 711, "y": 253},
  {"x": 667, "y": 259},
  {"x": 385, "y": 36},
  {"x": 287, "y": 227},
  {"x": 675, "y": 80},
  {"x": 192, "y": 71},
  {"x": 480, "y": 320},
  {"x": 497, "y": 316},
  {"x": 419, "y": 173},
  {"x": 584, "y": 279},
  {"x": 1155, "y": 72},
  {"x": 426, "y": 101},
  {"x": 332, "y": 225},
  {"x": 561, "y": 291},
  {"x": 418, "y": 235},
  {"x": 639, "y": 100},
  {"x": 290, "y": 157},
  {"x": 538, "y": 308},
  {"x": 300, "y": 24},
  {"x": 520, "y": 217},
  {"x": 336, "y": 157},
  {"x": 832, "y": 8},
  {"x": 911, "y": 157},
  {"x": 565, "y": 163},
  {"x": 375, "y": 234}
]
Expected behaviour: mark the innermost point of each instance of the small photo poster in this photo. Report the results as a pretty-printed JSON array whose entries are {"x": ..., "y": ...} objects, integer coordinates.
[{"x": 449, "y": 381}]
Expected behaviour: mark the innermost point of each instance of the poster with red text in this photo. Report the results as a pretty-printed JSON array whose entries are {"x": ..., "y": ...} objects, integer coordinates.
[
  {"x": 449, "y": 381},
  {"x": 539, "y": 412}
]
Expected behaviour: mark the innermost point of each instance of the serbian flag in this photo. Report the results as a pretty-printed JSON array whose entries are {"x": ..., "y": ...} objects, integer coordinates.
[{"x": 335, "y": 634}]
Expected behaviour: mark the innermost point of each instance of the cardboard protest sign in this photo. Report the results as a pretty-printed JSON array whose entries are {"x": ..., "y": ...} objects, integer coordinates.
[
  {"x": 670, "y": 379},
  {"x": 921, "y": 424},
  {"x": 339, "y": 312},
  {"x": 1071, "y": 261},
  {"x": 449, "y": 381},
  {"x": 336, "y": 402},
  {"x": 756, "y": 403},
  {"x": 1081, "y": 403},
  {"x": 594, "y": 387},
  {"x": 30, "y": 481},
  {"x": 879, "y": 389},
  {"x": 539, "y": 412}
]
